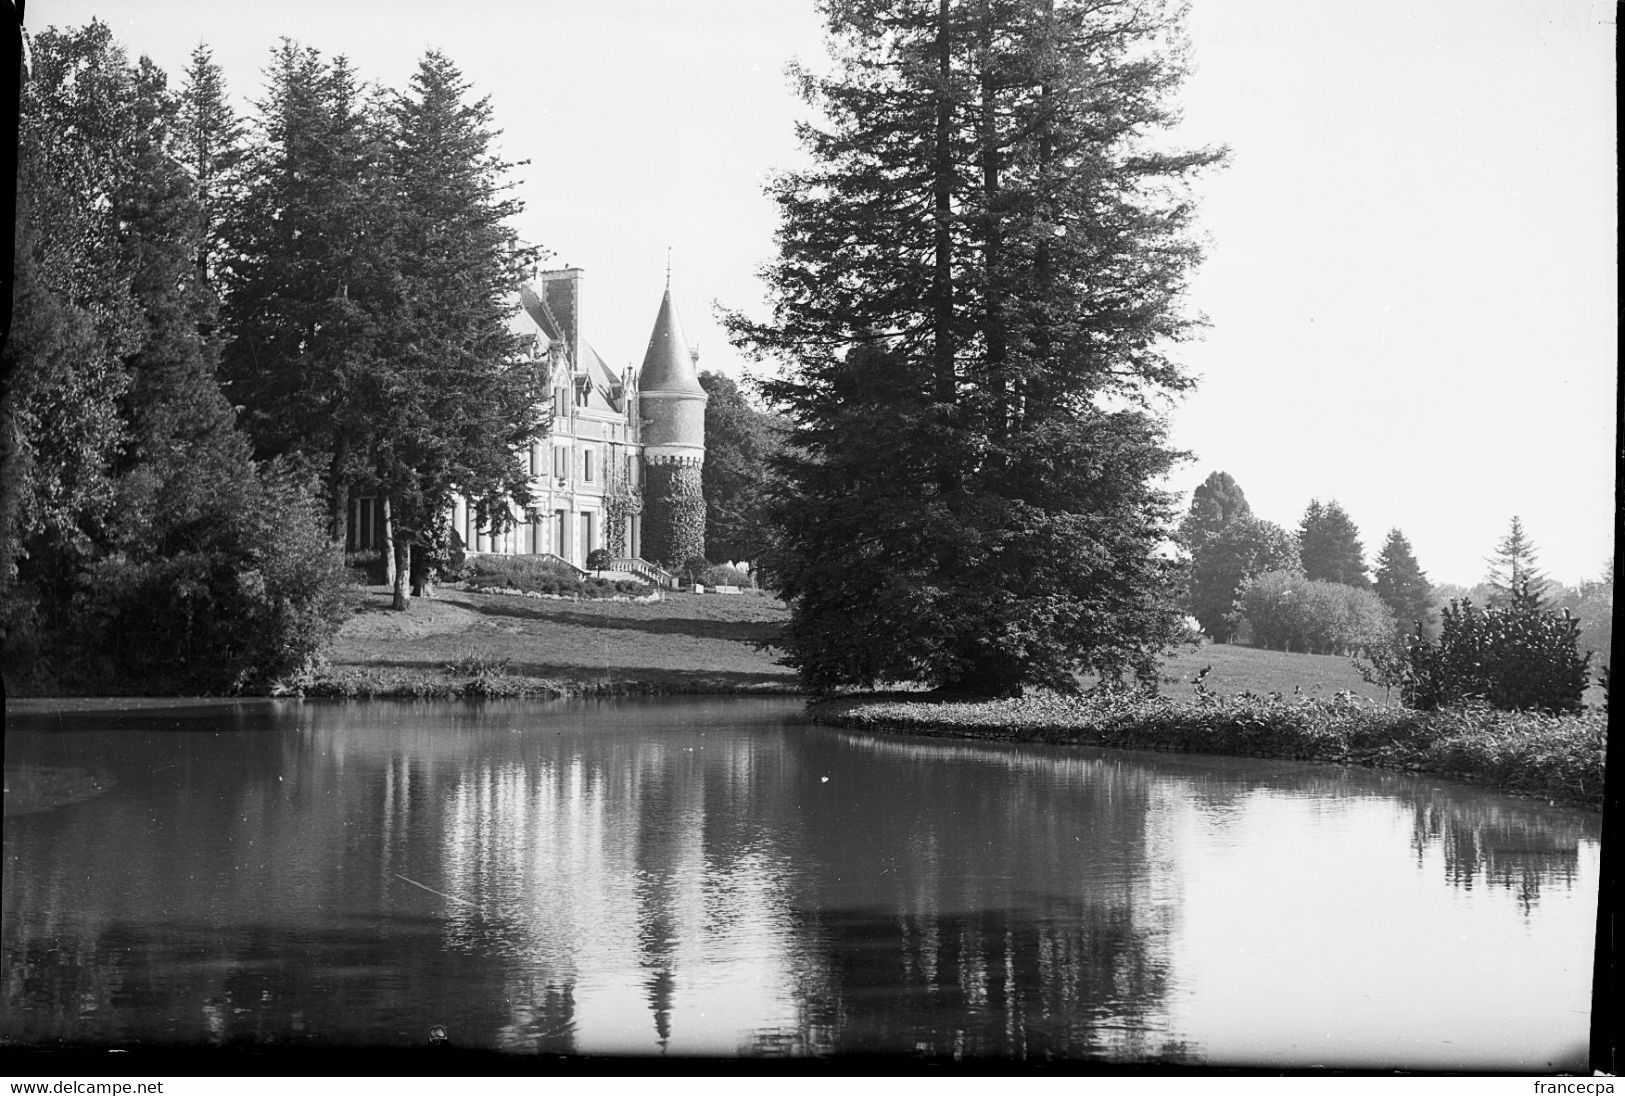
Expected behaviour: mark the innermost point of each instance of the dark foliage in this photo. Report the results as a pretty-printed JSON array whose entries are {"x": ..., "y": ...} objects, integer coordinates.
[
  {"x": 1228, "y": 546},
  {"x": 245, "y": 591},
  {"x": 983, "y": 258},
  {"x": 144, "y": 548},
  {"x": 741, "y": 444},
  {"x": 1403, "y": 586},
  {"x": 1513, "y": 657},
  {"x": 1555, "y": 757},
  {"x": 1329, "y": 545}
]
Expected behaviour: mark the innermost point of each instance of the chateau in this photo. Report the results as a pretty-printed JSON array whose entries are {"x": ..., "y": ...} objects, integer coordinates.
[{"x": 620, "y": 465}]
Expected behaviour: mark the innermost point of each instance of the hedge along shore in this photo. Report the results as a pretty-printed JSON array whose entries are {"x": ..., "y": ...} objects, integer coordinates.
[{"x": 1558, "y": 758}]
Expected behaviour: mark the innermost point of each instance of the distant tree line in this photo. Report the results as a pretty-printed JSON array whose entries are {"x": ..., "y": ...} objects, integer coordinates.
[
  {"x": 1310, "y": 591},
  {"x": 222, "y": 329}
]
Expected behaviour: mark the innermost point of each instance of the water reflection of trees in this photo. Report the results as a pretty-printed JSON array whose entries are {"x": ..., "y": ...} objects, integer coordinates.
[
  {"x": 355, "y": 873},
  {"x": 975, "y": 903},
  {"x": 1500, "y": 846},
  {"x": 1482, "y": 837}
]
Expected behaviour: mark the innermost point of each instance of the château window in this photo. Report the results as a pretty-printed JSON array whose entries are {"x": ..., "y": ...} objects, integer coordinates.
[
  {"x": 586, "y": 465},
  {"x": 560, "y": 467}
]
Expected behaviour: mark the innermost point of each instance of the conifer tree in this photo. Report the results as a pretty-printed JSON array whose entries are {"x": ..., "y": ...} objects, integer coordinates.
[
  {"x": 985, "y": 256},
  {"x": 1401, "y": 583},
  {"x": 312, "y": 273},
  {"x": 1512, "y": 569},
  {"x": 1329, "y": 545},
  {"x": 458, "y": 398},
  {"x": 136, "y": 487},
  {"x": 212, "y": 148}
]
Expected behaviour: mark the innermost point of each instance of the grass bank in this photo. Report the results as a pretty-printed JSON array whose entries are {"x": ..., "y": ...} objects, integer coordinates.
[
  {"x": 470, "y": 643},
  {"x": 1559, "y": 758}
]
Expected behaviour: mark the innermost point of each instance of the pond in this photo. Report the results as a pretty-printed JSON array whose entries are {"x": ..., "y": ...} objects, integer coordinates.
[{"x": 707, "y": 876}]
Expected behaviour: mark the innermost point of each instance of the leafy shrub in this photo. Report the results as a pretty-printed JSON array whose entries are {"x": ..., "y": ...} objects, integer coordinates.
[
  {"x": 693, "y": 567},
  {"x": 1514, "y": 657},
  {"x": 1285, "y": 611},
  {"x": 598, "y": 559},
  {"x": 723, "y": 575},
  {"x": 246, "y": 592}
]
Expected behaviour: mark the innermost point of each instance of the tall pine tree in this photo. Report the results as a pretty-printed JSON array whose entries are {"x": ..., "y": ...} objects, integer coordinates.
[
  {"x": 1402, "y": 585},
  {"x": 212, "y": 148},
  {"x": 977, "y": 284},
  {"x": 1513, "y": 573},
  {"x": 457, "y": 397}
]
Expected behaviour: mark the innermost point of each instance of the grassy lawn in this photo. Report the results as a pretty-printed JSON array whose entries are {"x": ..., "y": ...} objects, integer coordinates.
[
  {"x": 546, "y": 646},
  {"x": 684, "y": 643},
  {"x": 1236, "y": 670}
]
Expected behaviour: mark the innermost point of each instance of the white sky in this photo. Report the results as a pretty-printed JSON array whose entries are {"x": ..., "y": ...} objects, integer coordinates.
[{"x": 1412, "y": 279}]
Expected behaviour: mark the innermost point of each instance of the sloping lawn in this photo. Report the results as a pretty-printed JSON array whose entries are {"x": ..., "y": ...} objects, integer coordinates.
[
  {"x": 470, "y": 642},
  {"x": 1238, "y": 670}
]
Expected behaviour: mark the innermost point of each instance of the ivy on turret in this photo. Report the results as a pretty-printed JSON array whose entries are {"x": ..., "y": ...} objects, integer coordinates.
[{"x": 674, "y": 522}]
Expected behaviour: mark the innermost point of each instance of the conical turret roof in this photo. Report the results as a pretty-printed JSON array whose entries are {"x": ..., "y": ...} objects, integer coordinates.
[{"x": 667, "y": 366}]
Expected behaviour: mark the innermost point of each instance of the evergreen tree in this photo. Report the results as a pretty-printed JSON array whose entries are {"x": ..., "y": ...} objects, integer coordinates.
[
  {"x": 985, "y": 256},
  {"x": 1512, "y": 569},
  {"x": 457, "y": 400},
  {"x": 212, "y": 148},
  {"x": 311, "y": 272},
  {"x": 740, "y": 446},
  {"x": 1402, "y": 585},
  {"x": 1329, "y": 545},
  {"x": 134, "y": 474},
  {"x": 73, "y": 319}
]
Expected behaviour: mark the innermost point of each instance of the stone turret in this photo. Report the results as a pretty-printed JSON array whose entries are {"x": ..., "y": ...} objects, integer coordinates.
[{"x": 673, "y": 435}]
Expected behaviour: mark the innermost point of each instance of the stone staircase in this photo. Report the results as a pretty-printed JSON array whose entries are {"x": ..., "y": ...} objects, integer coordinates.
[{"x": 653, "y": 574}]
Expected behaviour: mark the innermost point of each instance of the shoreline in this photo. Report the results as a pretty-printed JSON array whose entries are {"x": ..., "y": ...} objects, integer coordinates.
[{"x": 1557, "y": 758}]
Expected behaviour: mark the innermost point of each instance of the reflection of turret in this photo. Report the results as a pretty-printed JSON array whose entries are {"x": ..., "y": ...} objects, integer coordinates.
[
  {"x": 659, "y": 860},
  {"x": 673, "y": 407}
]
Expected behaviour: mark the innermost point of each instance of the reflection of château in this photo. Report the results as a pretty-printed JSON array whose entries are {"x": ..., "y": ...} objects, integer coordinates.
[{"x": 620, "y": 466}]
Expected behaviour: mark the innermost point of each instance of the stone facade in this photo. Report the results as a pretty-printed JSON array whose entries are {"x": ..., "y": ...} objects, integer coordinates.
[{"x": 620, "y": 466}]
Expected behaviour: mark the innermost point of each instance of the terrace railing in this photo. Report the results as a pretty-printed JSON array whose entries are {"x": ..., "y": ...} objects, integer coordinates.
[{"x": 648, "y": 572}]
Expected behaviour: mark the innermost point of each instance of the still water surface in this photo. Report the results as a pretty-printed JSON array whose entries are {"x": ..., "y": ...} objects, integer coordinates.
[{"x": 716, "y": 877}]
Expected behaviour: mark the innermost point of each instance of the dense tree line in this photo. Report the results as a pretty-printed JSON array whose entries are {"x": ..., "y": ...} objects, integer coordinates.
[
  {"x": 219, "y": 330},
  {"x": 976, "y": 292},
  {"x": 742, "y": 443}
]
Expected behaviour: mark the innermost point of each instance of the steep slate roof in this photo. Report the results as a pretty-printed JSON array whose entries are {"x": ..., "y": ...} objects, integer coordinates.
[{"x": 667, "y": 366}]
